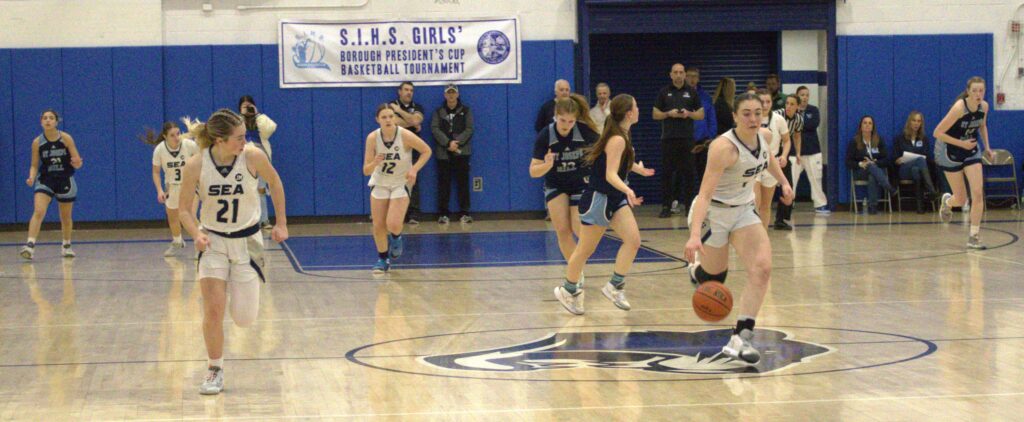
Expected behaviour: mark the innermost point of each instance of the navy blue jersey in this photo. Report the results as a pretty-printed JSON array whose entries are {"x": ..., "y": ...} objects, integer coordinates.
[
  {"x": 598, "y": 177},
  {"x": 54, "y": 159},
  {"x": 569, "y": 152},
  {"x": 966, "y": 127}
]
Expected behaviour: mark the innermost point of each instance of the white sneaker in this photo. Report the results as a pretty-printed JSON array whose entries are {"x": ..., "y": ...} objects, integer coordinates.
[
  {"x": 66, "y": 251},
  {"x": 676, "y": 209},
  {"x": 571, "y": 303},
  {"x": 740, "y": 348},
  {"x": 974, "y": 242},
  {"x": 213, "y": 383},
  {"x": 27, "y": 252},
  {"x": 172, "y": 250},
  {"x": 945, "y": 211},
  {"x": 617, "y": 296},
  {"x": 466, "y": 219}
]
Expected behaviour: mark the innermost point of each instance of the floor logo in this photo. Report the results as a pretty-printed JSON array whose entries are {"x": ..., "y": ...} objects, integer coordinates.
[{"x": 658, "y": 351}]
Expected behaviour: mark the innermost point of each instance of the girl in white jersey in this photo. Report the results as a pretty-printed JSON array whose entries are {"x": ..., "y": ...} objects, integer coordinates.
[
  {"x": 228, "y": 234},
  {"x": 724, "y": 211},
  {"x": 388, "y": 162},
  {"x": 170, "y": 155},
  {"x": 778, "y": 147}
]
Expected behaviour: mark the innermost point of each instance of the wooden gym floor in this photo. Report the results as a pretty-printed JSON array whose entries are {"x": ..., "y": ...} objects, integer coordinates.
[{"x": 869, "y": 318}]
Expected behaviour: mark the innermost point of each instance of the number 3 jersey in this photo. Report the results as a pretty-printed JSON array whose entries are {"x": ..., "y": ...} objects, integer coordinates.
[
  {"x": 173, "y": 162},
  {"x": 397, "y": 161},
  {"x": 230, "y": 199}
]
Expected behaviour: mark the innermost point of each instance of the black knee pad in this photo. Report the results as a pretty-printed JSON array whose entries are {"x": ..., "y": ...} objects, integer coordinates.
[{"x": 703, "y": 276}]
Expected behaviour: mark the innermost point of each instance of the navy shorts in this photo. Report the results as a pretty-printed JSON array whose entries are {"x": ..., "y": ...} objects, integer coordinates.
[
  {"x": 574, "y": 190},
  {"x": 597, "y": 209},
  {"x": 65, "y": 190},
  {"x": 953, "y": 158}
]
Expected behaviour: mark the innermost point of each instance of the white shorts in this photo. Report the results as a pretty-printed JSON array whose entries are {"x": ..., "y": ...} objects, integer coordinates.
[
  {"x": 767, "y": 180},
  {"x": 389, "y": 192},
  {"x": 173, "y": 191},
  {"x": 237, "y": 260},
  {"x": 722, "y": 220}
]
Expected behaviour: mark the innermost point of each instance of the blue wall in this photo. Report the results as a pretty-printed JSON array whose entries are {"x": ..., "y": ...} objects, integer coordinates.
[
  {"x": 889, "y": 76},
  {"x": 107, "y": 95}
]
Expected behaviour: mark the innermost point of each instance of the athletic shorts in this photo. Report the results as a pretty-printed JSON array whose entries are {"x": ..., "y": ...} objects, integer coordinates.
[
  {"x": 597, "y": 209},
  {"x": 573, "y": 190},
  {"x": 173, "y": 192},
  {"x": 722, "y": 220},
  {"x": 953, "y": 158},
  {"x": 65, "y": 190},
  {"x": 389, "y": 192},
  {"x": 235, "y": 260}
]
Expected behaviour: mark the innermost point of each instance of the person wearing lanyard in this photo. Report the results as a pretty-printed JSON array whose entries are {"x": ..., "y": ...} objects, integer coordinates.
[{"x": 866, "y": 157}]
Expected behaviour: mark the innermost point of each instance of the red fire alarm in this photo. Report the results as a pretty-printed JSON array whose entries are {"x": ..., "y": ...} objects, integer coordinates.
[{"x": 1000, "y": 98}]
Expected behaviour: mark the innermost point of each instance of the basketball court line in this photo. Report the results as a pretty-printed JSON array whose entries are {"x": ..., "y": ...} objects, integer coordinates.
[
  {"x": 495, "y": 314},
  {"x": 618, "y": 407}
]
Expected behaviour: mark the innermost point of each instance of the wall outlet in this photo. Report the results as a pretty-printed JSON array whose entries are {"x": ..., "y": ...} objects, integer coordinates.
[{"x": 478, "y": 184}]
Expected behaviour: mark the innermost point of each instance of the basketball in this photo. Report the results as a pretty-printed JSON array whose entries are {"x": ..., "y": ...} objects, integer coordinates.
[{"x": 712, "y": 301}]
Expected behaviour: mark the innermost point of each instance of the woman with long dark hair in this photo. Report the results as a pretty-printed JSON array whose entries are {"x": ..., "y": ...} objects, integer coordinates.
[
  {"x": 866, "y": 156},
  {"x": 171, "y": 153},
  {"x": 52, "y": 175},
  {"x": 607, "y": 202}
]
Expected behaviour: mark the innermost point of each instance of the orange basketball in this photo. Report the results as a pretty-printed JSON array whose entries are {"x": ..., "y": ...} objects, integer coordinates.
[{"x": 712, "y": 301}]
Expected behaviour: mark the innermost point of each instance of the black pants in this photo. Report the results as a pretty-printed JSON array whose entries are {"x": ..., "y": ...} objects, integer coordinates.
[
  {"x": 784, "y": 212},
  {"x": 414, "y": 196},
  {"x": 678, "y": 169},
  {"x": 457, "y": 166}
]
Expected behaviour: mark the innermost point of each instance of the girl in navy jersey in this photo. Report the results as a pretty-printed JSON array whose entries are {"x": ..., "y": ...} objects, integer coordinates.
[
  {"x": 558, "y": 157},
  {"x": 388, "y": 162},
  {"x": 725, "y": 213},
  {"x": 607, "y": 201},
  {"x": 958, "y": 155},
  {"x": 54, "y": 161}
]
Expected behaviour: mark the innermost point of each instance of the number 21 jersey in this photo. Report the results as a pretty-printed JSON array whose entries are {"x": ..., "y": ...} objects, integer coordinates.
[{"x": 229, "y": 193}]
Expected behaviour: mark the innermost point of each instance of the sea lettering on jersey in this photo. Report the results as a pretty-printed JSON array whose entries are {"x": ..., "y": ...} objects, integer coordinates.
[{"x": 221, "y": 190}]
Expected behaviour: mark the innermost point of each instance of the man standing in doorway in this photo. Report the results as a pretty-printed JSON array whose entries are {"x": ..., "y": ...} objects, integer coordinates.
[
  {"x": 602, "y": 108},
  {"x": 677, "y": 107}
]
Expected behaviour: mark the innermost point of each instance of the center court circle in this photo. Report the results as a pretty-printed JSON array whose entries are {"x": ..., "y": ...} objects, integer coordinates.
[{"x": 637, "y": 353}]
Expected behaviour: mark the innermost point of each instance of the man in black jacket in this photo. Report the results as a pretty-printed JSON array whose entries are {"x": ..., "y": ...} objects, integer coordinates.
[{"x": 452, "y": 126}]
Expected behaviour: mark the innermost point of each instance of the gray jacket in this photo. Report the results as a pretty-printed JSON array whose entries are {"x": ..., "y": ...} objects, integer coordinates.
[{"x": 454, "y": 126}]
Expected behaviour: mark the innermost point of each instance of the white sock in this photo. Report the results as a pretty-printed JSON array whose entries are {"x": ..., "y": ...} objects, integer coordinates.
[
  {"x": 216, "y": 362},
  {"x": 66, "y": 242},
  {"x": 975, "y": 230},
  {"x": 177, "y": 240},
  {"x": 31, "y": 240}
]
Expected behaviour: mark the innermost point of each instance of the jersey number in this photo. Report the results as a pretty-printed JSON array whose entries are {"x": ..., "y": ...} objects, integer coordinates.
[
  {"x": 177, "y": 175},
  {"x": 389, "y": 168},
  {"x": 566, "y": 166},
  {"x": 226, "y": 206}
]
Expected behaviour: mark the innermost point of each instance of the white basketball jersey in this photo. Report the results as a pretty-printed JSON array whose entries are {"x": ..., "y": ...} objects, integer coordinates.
[
  {"x": 173, "y": 162},
  {"x": 734, "y": 185},
  {"x": 229, "y": 195},
  {"x": 397, "y": 161}
]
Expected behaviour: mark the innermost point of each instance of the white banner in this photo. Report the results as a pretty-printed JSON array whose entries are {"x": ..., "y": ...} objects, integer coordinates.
[{"x": 385, "y": 53}]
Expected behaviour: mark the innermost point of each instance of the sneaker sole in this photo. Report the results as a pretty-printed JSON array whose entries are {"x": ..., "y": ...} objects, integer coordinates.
[
  {"x": 735, "y": 355},
  {"x": 26, "y": 255},
  {"x": 614, "y": 302},
  {"x": 559, "y": 298}
]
